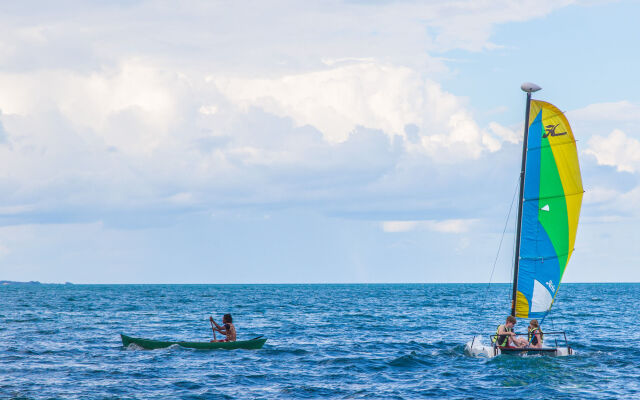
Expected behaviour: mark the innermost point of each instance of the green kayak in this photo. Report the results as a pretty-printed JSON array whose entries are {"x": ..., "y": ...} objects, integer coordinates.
[{"x": 252, "y": 344}]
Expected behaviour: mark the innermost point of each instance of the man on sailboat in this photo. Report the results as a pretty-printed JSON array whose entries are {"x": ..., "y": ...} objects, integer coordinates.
[{"x": 505, "y": 336}]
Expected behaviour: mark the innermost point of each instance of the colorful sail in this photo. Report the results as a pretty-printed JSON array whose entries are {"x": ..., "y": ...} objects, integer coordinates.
[{"x": 551, "y": 209}]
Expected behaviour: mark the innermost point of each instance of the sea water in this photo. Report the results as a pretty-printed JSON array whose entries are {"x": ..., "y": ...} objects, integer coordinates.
[{"x": 332, "y": 341}]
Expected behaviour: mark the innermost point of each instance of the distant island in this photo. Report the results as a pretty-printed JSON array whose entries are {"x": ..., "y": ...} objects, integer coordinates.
[{"x": 26, "y": 283}]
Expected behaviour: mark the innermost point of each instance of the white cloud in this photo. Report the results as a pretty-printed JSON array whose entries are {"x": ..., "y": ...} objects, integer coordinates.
[
  {"x": 100, "y": 104},
  {"x": 627, "y": 203},
  {"x": 598, "y": 195},
  {"x": 504, "y": 133},
  {"x": 443, "y": 226},
  {"x": 452, "y": 225},
  {"x": 208, "y": 110},
  {"x": 620, "y": 111},
  {"x": 491, "y": 143},
  {"x": 468, "y": 24},
  {"x": 399, "y": 226},
  {"x": 181, "y": 198},
  {"x": 373, "y": 95},
  {"x": 616, "y": 150},
  {"x": 336, "y": 100}
]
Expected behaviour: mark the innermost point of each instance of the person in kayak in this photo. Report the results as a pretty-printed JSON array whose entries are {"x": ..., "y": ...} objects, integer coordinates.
[
  {"x": 505, "y": 336},
  {"x": 226, "y": 329},
  {"x": 535, "y": 335}
]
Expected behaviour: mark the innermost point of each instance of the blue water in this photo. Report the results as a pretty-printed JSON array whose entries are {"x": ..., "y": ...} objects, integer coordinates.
[{"x": 333, "y": 341}]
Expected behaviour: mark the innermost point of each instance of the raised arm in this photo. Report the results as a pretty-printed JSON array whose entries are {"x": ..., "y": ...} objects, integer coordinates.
[{"x": 215, "y": 323}]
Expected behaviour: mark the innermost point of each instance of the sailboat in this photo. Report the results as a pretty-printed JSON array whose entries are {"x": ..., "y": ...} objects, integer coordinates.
[{"x": 550, "y": 197}]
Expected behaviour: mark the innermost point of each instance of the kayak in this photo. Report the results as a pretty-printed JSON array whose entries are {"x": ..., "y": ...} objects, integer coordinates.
[{"x": 252, "y": 344}]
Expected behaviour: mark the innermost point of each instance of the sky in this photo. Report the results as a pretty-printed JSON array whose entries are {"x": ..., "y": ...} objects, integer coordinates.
[{"x": 305, "y": 142}]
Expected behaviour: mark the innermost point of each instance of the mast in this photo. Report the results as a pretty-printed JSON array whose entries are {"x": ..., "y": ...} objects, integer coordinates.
[{"x": 529, "y": 88}]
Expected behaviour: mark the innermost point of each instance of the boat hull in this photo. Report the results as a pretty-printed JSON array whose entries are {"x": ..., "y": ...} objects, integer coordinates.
[
  {"x": 475, "y": 348},
  {"x": 148, "y": 344}
]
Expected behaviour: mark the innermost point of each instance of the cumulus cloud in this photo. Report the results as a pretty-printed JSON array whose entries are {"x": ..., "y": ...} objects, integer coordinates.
[
  {"x": 372, "y": 95},
  {"x": 616, "y": 150},
  {"x": 612, "y": 130},
  {"x": 335, "y": 100}
]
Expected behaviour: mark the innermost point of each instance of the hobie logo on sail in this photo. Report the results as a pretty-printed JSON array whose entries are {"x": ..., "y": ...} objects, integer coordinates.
[
  {"x": 550, "y": 130},
  {"x": 551, "y": 286}
]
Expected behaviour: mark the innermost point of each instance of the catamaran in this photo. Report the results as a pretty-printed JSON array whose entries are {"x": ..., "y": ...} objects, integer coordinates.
[{"x": 550, "y": 197}]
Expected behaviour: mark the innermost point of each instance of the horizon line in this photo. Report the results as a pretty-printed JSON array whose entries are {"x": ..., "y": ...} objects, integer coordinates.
[{"x": 6, "y": 282}]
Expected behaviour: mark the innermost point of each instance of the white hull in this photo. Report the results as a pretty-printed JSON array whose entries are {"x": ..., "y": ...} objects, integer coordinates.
[{"x": 477, "y": 348}]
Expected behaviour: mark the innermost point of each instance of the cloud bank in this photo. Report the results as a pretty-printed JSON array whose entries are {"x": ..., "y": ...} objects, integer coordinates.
[{"x": 221, "y": 106}]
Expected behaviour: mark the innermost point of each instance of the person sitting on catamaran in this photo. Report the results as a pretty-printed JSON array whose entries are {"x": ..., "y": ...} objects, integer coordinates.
[
  {"x": 227, "y": 329},
  {"x": 505, "y": 336},
  {"x": 535, "y": 335}
]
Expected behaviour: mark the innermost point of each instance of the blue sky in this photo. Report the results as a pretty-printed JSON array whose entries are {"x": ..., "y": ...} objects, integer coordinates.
[{"x": 283, "y": 141}]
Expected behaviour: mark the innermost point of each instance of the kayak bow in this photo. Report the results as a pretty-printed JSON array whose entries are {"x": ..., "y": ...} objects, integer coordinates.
[{"x": 148, "y": 344}]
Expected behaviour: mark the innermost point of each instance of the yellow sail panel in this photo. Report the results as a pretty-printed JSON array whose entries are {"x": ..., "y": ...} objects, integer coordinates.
[{"x": 522, "y": 306}]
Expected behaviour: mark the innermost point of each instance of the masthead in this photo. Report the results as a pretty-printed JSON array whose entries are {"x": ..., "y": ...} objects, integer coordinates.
[{"x": 530, "y": 87}]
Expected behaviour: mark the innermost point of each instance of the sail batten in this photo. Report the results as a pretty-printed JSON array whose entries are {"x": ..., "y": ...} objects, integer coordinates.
[
  {"x": 550, "y": 210},
  {"x": 557, "y": 144},
  {"x": 547, "y": 257},
  {"x": 555, "y": 196}
]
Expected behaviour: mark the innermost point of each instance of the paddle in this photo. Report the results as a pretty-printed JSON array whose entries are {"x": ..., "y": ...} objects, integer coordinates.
[{"x": 213, "y": 330}]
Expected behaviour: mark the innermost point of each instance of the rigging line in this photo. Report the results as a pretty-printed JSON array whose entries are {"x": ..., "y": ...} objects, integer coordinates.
[
  {"x": 495, "y": 262},
  {"x": 513, "y": 257},
  {"x": 486, "y": 292},
  {"x": 552, "y": 326}
]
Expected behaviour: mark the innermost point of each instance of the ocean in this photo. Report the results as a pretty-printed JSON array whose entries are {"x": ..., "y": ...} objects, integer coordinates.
[{"x": 391, "y": 341}]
